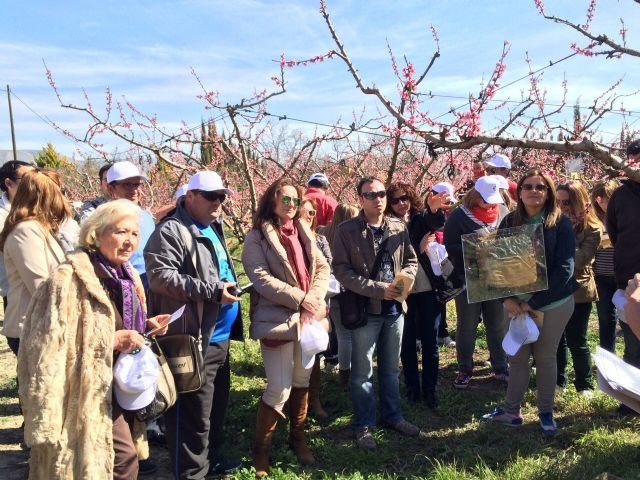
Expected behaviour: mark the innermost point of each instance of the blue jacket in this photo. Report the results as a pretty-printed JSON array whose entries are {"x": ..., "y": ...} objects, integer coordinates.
[{"x": 560, "y": 250}]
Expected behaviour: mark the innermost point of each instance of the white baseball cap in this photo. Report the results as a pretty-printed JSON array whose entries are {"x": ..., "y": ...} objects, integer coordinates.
[
  {"x": 135, "y": 378},
  {"x": 313, "y": 339},
  {"x": 320, "y": 177},
  {"x": 445, "y": 187},
  {"x": 499, "y": 161},
  {"x": 181, "y": 191},
  {"x": 521, "y": 331},
  {"x": 208, "y": 181},
  {"x": 489, "y": 189},
  {"x": 503, "y": 183},
  {"x": 122, "y": 171}
]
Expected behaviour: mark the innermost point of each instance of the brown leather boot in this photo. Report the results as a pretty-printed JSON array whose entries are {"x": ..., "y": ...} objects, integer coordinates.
[
  {"x": 298, "y": 414},
  {"x": 314, "y": 392},
  {"x": 266, "y": 424}
]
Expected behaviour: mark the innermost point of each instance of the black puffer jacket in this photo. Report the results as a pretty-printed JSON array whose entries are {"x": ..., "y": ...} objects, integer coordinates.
[{"x": 623, "y": 226}]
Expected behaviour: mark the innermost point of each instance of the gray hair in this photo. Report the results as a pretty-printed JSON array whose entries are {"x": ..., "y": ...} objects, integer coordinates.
[{"x": 105, "y": 215}]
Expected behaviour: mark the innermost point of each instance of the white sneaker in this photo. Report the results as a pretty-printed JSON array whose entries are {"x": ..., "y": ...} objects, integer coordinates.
[{"x": 446, "y": 341}]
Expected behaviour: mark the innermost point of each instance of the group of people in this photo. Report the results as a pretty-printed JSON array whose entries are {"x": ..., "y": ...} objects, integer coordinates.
[{"x": 79, "y": 297}]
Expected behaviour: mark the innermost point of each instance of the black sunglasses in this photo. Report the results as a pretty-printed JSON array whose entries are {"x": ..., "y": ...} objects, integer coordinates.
[
  {"x": 564, "y": 203},
  {"x": 374, "y": 195},
  {"x": 212, "y": 196},
  {"x": 397, "y": 200},
  {"x": 538, "y": 187}
]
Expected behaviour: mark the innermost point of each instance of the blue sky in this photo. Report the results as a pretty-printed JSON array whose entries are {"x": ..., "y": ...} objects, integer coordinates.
[{"x": 146, "y": 49}]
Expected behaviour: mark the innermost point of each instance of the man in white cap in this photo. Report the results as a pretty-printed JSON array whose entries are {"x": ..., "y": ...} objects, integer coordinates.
[
  {"x": 317, "y": 186},
  {"x": 500, "y": 164},
  {"x": 124, "y": 180},
  {"x": 188, "y": 263}
]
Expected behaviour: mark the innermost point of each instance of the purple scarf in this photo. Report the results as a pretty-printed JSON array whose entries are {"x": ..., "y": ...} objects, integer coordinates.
[{"x": 122, "y": 290}]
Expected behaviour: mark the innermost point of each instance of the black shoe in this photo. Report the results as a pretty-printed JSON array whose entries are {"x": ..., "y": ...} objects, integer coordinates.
[
  {"x": 146, "y": 467},
  {"x": 431, "y": 400},
  {"x": 224, "y": 467}
]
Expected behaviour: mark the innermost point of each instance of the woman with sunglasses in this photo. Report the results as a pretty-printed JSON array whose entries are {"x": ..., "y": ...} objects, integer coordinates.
[
  {"x": 573, "y": 200},
  {"x": 603, "y": 267},
  {"x": 290, "y": 278},
  {"x": 537, "y": 203},
  {"x": 481, "y": 212},
  {"x": 423, "y": 312},
  {"x": 308, "y": 214}
]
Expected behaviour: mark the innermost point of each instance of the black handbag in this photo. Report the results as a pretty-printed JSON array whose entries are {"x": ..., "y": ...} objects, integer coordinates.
[
  {"x": 353, "y": 309},
  {"x": 353, "y": 306},
  {"x": 184, "y": 357}
]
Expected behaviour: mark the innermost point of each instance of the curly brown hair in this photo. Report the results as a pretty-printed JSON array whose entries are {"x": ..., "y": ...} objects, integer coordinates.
[
  {"x": 398, "y": 189},
  {"x": 267, "y": 202}
]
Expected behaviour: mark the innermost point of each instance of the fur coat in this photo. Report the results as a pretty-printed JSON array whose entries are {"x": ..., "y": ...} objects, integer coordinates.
[{"x": 65, "y": 375}]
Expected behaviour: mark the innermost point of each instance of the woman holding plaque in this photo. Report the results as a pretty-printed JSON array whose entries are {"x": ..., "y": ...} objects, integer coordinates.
[
  {"x": 573, "y": 200},
  {"x": 480, "y": 213},
  {"x": 537, "y": 203}
]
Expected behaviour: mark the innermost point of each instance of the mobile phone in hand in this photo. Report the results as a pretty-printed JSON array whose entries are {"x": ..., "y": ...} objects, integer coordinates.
[{"x": 239, "y": 291}]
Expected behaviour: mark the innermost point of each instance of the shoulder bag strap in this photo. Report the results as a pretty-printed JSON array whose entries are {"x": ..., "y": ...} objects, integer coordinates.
[{"x": 378, "y": 260}]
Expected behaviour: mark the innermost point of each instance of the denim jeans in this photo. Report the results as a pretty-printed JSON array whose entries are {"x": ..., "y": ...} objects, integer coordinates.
[
  {"x": 575, "y": 337},
  {"x": 385, "y": 333},
  {"x": 421, "y": 323},
  {"x": 343, "y": 336},
  {"x": 496, "y": 325},
  {"x": 606, "y": 312}
]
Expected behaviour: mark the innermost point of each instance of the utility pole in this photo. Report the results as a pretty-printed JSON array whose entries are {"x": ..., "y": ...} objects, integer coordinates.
[{"x": 13, "y": 132}]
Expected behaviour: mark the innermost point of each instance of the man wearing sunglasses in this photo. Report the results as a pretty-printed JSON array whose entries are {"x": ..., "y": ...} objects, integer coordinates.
[
  {"x": 325, "y": 205},
  {"x": 188, "y": 263},
  {"x": 374, "y": 241},
  {"x": 500, "y": 164}
]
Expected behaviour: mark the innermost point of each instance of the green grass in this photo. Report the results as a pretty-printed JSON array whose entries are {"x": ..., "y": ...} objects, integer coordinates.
[{"x": 455, "y": 444}]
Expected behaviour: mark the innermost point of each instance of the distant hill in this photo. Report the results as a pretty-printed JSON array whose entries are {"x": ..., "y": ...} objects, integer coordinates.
[{"x": 23, "y": 155}]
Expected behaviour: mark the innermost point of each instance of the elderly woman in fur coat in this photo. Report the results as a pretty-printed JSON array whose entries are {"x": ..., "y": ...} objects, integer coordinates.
[{"x": 91, "y": 308}]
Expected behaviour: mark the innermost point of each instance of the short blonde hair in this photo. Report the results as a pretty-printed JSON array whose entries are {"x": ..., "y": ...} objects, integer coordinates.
[{"x": 105, "y": 215}]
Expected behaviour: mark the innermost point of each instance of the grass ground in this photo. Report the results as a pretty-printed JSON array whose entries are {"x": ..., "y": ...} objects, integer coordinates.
[{"x": 454, "y": 445}]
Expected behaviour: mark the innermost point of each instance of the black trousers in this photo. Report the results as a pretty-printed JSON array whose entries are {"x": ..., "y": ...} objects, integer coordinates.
[{"x": 188, "y": 422}]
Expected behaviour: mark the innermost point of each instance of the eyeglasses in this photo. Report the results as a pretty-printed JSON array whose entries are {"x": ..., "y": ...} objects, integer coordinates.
[
  {"x": 212, "y": 196},
  {"x": 493, "y": 170},
  {"x": 540, "y": 187},
  {"x": 287, "y": 200},
  {"x": 374, "y": 195},
  {"x": 311, "y": 213},
  {"x": 129, "y": 185},
  {"x": 397, "y": 200},
  {"x": 564, "y": 203}
]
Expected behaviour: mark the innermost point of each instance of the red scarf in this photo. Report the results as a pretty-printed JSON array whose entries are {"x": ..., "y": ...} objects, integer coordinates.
[
  {"x": 295, "y": 254},
  {"x": 486, "y": 215}
]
